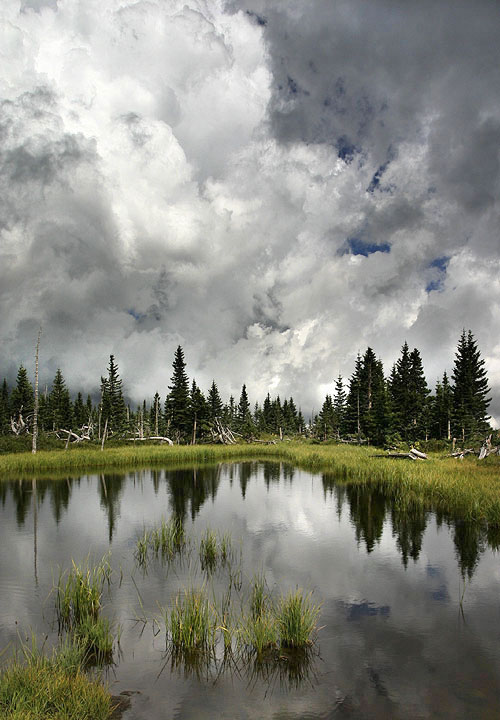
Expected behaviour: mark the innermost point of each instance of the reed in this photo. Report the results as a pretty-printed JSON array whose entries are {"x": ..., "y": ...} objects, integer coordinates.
[{"x": 34, "y": 686}]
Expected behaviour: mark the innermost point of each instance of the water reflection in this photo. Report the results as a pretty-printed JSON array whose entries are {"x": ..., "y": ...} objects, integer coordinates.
[{"x": 188, "y": 490}]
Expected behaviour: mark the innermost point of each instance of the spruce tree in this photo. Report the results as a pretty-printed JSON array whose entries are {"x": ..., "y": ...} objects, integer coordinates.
[
  {"x": 177, "y": 404},
  {"x": 79, "y": 412},
  {"x": 353, "y": 405},
  {"x": 470, "y": 389}
]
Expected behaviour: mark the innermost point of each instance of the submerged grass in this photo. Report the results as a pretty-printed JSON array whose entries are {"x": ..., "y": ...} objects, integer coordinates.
[
  {"x": 34, "y": 686},
  {"x": 167, "y": 540},
  {"x": 296, "y": 618}
]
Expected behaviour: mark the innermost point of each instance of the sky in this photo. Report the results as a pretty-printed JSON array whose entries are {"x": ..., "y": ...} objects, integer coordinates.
[{"x": 275, "y": 185}]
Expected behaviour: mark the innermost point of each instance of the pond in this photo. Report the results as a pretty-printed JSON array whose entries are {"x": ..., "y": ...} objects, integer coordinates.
[{"x": 410, "y": 600}]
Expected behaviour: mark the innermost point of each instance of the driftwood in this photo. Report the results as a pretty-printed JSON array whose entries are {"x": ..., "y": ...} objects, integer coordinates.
[
  {"x": 222, "y": 434},
  {"x": 414, "y": 454},
  {"x": 20, "y": 425},
  {"x": 151, "y": 437}
]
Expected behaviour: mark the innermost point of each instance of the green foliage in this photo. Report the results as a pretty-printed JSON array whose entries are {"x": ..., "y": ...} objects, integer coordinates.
[{"x": 59, "y": 412}]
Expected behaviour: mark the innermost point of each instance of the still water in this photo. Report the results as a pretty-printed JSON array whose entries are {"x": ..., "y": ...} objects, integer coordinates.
[{"x": 410, "y": 600}]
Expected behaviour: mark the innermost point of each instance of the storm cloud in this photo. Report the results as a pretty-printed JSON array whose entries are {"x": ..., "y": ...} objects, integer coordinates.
[{"x": 273, "y": 185}]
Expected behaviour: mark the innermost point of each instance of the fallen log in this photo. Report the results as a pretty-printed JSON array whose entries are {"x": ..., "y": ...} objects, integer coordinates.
[{"x": 151, "y": 437}]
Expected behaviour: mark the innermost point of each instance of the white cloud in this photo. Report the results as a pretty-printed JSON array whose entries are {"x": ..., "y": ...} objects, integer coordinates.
[{"x": 149, "y": 197}]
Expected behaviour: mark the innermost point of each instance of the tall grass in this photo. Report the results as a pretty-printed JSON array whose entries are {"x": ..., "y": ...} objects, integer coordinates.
[
  {"x": 78, "y": 605},
  {"x": 167, "y": 540},
  {"x": 192, "y": 621},
  {"x": 34, "y": 686},
  {"x": 296, "y": 618}
]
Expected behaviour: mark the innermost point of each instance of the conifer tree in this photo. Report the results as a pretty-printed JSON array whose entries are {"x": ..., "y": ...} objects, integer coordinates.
[
  {"x": 267, "y": 414},
  {"x": 79, "y": 412},
  {"x": 177, "y": 404},
  {"x": 339, "y": 405},
  {"x": 353, "y": 405},
  {"x": 325, "y": 423},
  {"x": 442, "y": 410},
  {"x": 470, "y": 389},
  {"x": 22, "y": 395},
  {"x": 199, "y": 411},
  {"x": 59, "y": 411},
  {"x": 214, "y": 402},
  {"x": 4, "y": 408},
  {"x": 244, "y": 416},
  {"x": 112, "y": 402},
  {"x": 156, "y": 416}
]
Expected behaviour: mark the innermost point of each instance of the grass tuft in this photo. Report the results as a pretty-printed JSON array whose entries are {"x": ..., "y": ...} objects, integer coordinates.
[{"x": 296, "y": 619}]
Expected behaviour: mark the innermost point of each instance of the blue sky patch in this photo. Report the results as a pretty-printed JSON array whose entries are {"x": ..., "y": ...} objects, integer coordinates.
[
  {"x": 361, "y": 247},
  {"x": 438, "y": 273}
]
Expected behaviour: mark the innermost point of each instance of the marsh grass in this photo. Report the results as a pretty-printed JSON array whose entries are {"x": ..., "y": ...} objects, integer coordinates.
[
  {"x": 215, "y": 550},
  {"x": 470, "y": 489},
  {"x": 192, "y": 621},
  {"x": 34, "y": 686},
  {"x": 78, "y": 606},
  {"x": 166, "y": 540},
  {"x": 296, "y": 618},
  {"x": 79, "y": 592}
]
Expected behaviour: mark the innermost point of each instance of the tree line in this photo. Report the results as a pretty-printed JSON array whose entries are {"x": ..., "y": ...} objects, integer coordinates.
[{"x": 369, "y": 407}]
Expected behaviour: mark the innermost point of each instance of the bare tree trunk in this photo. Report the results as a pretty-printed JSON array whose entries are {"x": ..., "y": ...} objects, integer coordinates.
[
  {"x": 194, "y": 431},
  {"x": 35, "y": 411},
  {"x": 449, "y": 429},
  {"x": 156, "y": 416}
]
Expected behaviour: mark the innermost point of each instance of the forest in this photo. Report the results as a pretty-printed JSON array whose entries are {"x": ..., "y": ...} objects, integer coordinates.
[{"x": 369, "y": 407}]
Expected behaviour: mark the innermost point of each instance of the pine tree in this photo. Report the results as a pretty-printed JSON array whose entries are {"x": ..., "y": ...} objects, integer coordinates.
[
  {"x": 214, "y": 402},
  {"x": 325, "y": 423},
  {"x": 79, "y": 412},
  {"x": 112, "y": 402},
  {"x": 418, "y": 397},
  {"x": 4, "y": 409},
  {"x": 442, "y": 410},
  {"x": 353, "y": 405},
  {"x": 156, "y": 416},
  {"x": 244, "y": 416},
  {"x": 267, "y": 414},
  {"x": 199, "y": 411},
  {"x": 470, "y": 390},
  {"x": 59, "y": 411},
  {"x": 177, "y": 404},
  {"x": 21, "y": 400},
  {"x": 339, "y": 405}
]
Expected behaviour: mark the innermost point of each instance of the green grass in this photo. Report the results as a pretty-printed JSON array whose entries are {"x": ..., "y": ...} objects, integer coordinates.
[
  {"x": 192, "y": 621},
  {"x": 296, "y": 618},
  {"x": 468, "y": 488},
  {"x": 34, "y": 686},
  {"x": 78, "y": 606},
  {"x": 167, "y": 539}
]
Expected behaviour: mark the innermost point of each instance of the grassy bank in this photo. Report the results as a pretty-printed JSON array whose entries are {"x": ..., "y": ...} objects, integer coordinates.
[{"x": 469, "y": 488}]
